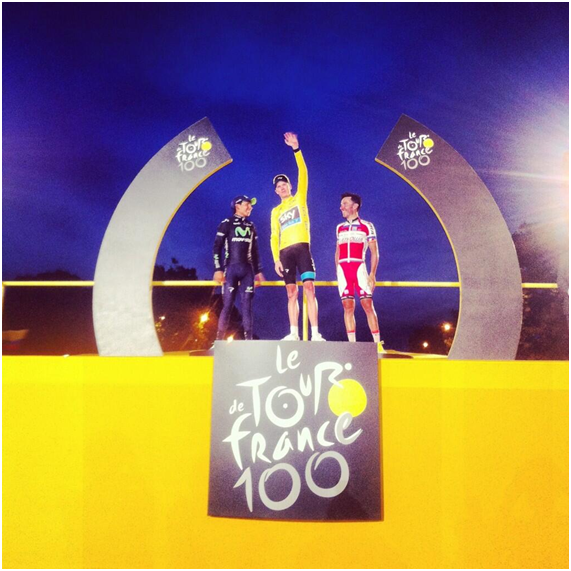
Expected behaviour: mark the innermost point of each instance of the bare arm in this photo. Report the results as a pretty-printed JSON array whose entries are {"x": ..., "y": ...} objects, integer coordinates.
[
  {"x": 291, "y": 140},
  {"x": 374, "y": 263}
]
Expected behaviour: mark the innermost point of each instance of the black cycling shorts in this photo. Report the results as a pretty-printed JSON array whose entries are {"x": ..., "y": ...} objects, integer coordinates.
[{"x": 294, "y": 258}]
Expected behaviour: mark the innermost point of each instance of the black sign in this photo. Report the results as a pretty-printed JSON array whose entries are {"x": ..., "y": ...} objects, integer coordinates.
[{"x": 295, "y": 431}]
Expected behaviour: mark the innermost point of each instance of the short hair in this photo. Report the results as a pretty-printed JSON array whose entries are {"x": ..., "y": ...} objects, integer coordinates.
[{"x": 354, "y": 197}]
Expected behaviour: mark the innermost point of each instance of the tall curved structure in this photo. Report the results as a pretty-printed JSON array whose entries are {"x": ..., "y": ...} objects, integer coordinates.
[
  {"x": 489, "y": 324},
  {"x": 122, "y": 293}
]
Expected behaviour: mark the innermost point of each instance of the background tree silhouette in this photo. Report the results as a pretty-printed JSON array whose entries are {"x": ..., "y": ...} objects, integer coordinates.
[{"x": 59, "y": 319}]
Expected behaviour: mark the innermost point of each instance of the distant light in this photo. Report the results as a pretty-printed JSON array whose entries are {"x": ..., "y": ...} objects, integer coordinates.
[
  {"x": 230, "y": 339},
  {"x": 446, "y": 326},
  {"x": 204, "y": 318},
  {"x": 66, "y": 355},
  {"x": 425, "y": 344},
  {"x": 162, "y": 317}
]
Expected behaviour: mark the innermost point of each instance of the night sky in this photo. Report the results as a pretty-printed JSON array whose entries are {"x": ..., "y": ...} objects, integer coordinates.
[{"x": 92, "y": 91}]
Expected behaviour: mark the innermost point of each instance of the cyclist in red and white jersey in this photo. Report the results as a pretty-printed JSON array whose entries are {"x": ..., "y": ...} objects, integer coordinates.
[{"x": 354, "y": 237}]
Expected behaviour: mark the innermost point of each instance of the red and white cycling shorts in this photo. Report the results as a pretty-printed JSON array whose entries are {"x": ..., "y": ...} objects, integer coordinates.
[{"x": 352, "y": 277}]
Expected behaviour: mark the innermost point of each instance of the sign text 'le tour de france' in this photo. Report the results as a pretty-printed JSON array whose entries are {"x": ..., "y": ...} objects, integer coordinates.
[{"x": 295, "y": 431}]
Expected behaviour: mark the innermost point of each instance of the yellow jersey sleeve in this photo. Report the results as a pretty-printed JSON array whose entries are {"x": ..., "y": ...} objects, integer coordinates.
[
  {"x": 290, "y": 219},
  {"x": 302, "y": 178},
  {"x": 275, "y": 237}
]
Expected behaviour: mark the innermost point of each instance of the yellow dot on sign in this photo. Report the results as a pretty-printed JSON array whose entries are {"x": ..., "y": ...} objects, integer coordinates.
[
  {"x": 349, "y": 397},
  {"x": 428, "y": 143},
  {"x": 206, "y": 146}
]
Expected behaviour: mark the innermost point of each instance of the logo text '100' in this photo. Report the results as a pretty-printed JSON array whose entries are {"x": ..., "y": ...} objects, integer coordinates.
[{"x": 193, "y": 153}]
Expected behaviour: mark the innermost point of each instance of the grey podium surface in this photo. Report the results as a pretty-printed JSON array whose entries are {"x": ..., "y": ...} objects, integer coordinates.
[
  {"x": 489, "y": 324},
  {"x": 122, "y": 293}
]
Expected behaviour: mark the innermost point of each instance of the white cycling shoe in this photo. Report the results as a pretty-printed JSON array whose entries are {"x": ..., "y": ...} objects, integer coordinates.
[
  {"x": 291, "y": 337},
  {"x": 317, "y": 337}
]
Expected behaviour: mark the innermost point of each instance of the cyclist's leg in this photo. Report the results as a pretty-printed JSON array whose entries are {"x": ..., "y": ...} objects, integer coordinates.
[
  {"x": 229, "y": 291},
  {"x": 247, "y": 298},
  {"x": 307, "y": 271},
  {"x": 346, "y": 285},
  {"x": 287, "y": 258},
  {"x": 366, "y": 297}
]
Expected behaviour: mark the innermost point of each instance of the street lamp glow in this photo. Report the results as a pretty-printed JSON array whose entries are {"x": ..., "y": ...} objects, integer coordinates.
[
  {"x": 162, "y": 317},
  {"x": 204, "y": 318},
  {"x": 425, "y": 344},
  {"x": 446, "y": 326},
  {"x": 230, "y": 339}
]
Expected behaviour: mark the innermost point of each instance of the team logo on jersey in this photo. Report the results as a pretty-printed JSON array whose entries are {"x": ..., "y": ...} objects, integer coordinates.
[
  {"x": 239, "y": 231},
  {"x": 289, "y": 217},
  {"x": 414, "y": 151},
  {"x": 193, "y": 153}
]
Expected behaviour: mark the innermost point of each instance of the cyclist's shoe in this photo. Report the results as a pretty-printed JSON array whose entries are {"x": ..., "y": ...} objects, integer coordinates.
[
  {"x": 291, "y": 337},
  {"x": 317, "y": 337}
]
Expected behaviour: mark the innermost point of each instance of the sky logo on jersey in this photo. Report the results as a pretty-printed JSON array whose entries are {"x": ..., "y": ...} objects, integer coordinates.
[{"x": 290, "y": 217}]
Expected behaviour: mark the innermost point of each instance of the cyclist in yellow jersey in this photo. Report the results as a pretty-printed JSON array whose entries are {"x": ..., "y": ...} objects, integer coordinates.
[{"x": 290, "y": 243}]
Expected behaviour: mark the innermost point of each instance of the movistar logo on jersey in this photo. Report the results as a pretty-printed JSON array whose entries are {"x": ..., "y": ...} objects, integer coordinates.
[
  {"x": 290, "y": 217},
  {"x": 239, "y": 231}
]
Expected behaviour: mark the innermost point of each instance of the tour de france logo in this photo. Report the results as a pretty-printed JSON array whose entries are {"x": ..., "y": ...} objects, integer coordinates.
[
  {"x": 415, "y": 151},
  {"x": 193, "y": 152},
  {"x": 299, "y": 442}
]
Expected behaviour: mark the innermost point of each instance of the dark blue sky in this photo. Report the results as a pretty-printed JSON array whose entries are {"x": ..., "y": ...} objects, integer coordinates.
[{"x": 92, "y": 91}]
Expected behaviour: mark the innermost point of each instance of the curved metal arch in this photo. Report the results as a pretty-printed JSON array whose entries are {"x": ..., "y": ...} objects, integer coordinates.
[
  {"x": 489, "y": 324},
  {"x": 122, "y": 293}
]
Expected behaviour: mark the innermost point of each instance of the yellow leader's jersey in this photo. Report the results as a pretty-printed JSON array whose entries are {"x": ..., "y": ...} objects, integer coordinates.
[{"x": 290, "y": 220}]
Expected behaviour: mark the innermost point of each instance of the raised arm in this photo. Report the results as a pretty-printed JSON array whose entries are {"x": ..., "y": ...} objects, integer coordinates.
[{"x": 302, "y": 177}]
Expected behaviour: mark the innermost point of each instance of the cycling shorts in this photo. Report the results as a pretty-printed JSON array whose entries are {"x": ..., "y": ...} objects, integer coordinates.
[
  {"x": 351, "y": 278},
  {"x": 297, "y": 257}
]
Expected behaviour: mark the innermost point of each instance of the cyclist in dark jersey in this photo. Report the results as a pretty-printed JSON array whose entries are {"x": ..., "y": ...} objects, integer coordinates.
[{"x": 237, "y": 264}]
